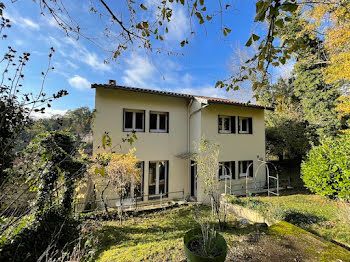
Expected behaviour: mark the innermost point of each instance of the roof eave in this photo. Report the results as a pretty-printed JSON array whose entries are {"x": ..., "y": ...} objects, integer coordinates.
[{"x": 186, "y": 96}]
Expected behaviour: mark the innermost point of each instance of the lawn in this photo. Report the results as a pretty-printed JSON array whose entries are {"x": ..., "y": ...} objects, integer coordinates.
[
  {"x": 159, "y": 237},
  {"x": 327, "y": 218}
]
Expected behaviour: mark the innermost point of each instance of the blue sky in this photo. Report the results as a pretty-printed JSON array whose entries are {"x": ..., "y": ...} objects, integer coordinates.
[{"x": 207, "y": 58}]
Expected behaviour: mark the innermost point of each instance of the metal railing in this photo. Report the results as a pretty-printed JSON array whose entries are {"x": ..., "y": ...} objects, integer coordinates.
[
  {"x": 251, "y": 185},
  {"x": 131, "y": 203}
]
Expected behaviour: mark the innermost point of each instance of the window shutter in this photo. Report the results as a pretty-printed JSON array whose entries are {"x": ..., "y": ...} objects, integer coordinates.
[
  {"x": 167, "y": 122},
  {"x": 144, "y": 121},
  {"x": 123, "y": 120},
  {"x": 233, "y": 124},
  {"x": 239, "y": 167},
  {"x": 239, "y": 124},
  {"x": 250, "y": 125},
  {"x": 142, "y": 178},
  {"x": 251, "y": 169},
  {"x": 167, "y": 178},
  {"x": 233, "y": 169},
  {"x": 218, "y": 124}
]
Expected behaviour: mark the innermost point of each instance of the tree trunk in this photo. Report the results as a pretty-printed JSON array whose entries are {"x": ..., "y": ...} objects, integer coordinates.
[{"x": 104, "y": 202}]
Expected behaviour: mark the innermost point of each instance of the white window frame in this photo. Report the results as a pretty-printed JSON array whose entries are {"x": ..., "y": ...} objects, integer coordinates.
[
  {"x": 227, "y": 176},
  {"x": 134, "y": 120},
  {"x": 221, "y": 130},
  {"x": 241, "y": 125},
  {"x": 158, "y": 130},
  {"x": 157, "y": 177},
  {"x": 241, "y": 174}
]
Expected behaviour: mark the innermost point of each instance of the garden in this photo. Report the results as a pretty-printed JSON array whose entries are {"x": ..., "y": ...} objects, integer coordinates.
[{"x": 159, "y": 236}]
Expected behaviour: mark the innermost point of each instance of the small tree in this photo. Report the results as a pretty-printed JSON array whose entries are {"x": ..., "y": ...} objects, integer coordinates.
[
  {"x": 326, "y": 171},
  {"x": 207, "y": 161},
  {"x": 118, "y": 171}
]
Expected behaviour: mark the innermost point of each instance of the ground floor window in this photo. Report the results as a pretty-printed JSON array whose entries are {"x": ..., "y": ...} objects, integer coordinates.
[
  {"x": 158, "y": 178},
  {"x": 227, "y": 170},
  {"x": 134, "y": 189},
  {"x": 243, "y": 168}
]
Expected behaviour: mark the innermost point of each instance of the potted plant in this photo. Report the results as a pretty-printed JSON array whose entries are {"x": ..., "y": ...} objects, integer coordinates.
[{"x": 207, "y": 247}]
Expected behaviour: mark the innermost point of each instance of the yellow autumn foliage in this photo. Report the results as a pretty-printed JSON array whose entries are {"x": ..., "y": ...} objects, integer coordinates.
[
  {"x": 331, "y": 18},
  {"x": 120, "y": 170}
]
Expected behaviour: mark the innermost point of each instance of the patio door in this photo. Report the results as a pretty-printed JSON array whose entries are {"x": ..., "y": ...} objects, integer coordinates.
[
  {"x": 158, "y": 178},
  {"x": 134, "y": 189}
]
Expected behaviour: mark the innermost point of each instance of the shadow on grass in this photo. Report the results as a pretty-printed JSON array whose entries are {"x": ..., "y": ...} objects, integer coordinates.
[
  {"x": 302, "y": 219},
  {"x": 156, "y": 227}
]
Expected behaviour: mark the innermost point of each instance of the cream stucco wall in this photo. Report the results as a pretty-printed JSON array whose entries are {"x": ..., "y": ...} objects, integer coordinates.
[
  {"x": 184, "y": 132},
  {"x": 109, "y": 106},
  {"x": 236, "y": 147}
]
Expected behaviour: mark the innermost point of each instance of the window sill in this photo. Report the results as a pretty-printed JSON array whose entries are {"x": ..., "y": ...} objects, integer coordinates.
[
  {"x": 158, "y": 131},
  {"x": 225, "y": 132},
  {"x": 133, "y": 130},
  {"x": 152, "y": 197},
  {"x": 241, "y": 132}
]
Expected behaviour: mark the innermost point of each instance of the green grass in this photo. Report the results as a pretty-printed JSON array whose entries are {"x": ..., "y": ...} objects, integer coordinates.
[
  {"x": 159, "y": 237},
  {"x": 317, "y": 214}
]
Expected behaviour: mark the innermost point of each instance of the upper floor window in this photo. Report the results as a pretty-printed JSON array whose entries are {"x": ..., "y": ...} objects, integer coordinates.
[
  {"x": 245, "y": 168},
  {"x": 134, "y": 120},
  {"x": 159, "y": 122},
  {"x": 227, "y": 170},
  {"x": 226, "y": 124},
  {"x": 245, "y": 125}
]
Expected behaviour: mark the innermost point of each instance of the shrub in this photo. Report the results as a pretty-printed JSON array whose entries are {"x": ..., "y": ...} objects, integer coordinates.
[
  {"x": 326, "y": 171},
  {"x": 51, "y": 233}
]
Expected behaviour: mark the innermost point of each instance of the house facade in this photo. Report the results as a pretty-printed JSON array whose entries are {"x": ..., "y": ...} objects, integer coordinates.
[{"x": 168, "y": 126}]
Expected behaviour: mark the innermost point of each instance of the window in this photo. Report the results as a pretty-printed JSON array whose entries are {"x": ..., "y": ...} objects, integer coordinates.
[
  {"x": 159, "y": 122},
  {"x": 134, "y": 188},
  {"x": 158, "y": 178},
  {"x": 138, "y": 189},
  {"x": 134, "y": 120},
  {"x": 227, "y": 170},
  {"x": 245, "y": 125},
  {"x": 226, "y": 124},
  {"x": 243, "y": 167}
]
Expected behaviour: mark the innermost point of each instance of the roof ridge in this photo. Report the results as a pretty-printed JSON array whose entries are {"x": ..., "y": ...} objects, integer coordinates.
[{"x": 161, "y": 92}]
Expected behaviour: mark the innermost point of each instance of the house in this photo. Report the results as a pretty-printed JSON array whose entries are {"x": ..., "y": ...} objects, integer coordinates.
[{"x": 168, "y": 125}]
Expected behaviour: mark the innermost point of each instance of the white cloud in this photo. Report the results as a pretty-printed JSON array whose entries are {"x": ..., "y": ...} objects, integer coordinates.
[
  {"x": 81, "y": 53},
  {"x": 206, "y": 90},
  {"x": 140, "y": 71},
  {"x": 179, "y": 25},
  {"x": 23, "y": 22},
  {"x": 72, "y": 65},
  {"x": 27, "y": 23},
  {"x": 79, "y": 82},
  {"x": 48, "y": 113}
]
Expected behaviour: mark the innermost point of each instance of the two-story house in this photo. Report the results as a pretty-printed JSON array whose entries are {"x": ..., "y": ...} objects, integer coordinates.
[{"x": 168, "y": 125}]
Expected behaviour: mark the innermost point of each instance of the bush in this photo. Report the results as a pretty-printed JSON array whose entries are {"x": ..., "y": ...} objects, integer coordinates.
[
  {"x": 326, "y": 171},
  {"x": 52, "y": 232}
]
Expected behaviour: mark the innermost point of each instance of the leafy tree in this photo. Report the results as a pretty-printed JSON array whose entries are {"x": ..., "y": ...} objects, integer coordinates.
[
  {"x": 343, "y": 109},
  {"x": 119, "y": 172},
  {"x": 52, "y": 169},
  {"x": 326, "y": 171},
  {"x": 207, "y": 161}
]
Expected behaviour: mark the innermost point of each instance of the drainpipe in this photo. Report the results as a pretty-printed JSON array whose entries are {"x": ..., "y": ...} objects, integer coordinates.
[
  {"x": 188, "y": 124},
  {"x": 188, "y": 144},
  {"x": 205, "y": 102}
]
